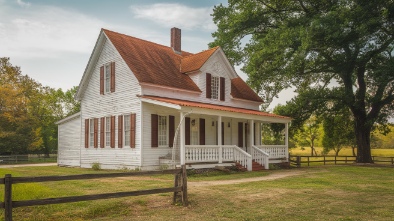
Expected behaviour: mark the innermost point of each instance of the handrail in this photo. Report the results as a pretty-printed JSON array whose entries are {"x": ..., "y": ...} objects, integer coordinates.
[
  {"x": 261, "y": 157},
  {"x": 248, "y": 162}
]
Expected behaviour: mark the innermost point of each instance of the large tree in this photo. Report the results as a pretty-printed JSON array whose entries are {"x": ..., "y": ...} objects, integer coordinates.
[{"x": 336, "y": 52}]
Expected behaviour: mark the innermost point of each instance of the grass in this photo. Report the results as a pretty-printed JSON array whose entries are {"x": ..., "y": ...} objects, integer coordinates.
[
  {"x": 319, "y": 193},
  {"x": 344, "y": 152}
]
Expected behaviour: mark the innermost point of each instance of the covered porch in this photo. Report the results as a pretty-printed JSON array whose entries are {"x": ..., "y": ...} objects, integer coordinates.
[{"x": 207, "y": 135}]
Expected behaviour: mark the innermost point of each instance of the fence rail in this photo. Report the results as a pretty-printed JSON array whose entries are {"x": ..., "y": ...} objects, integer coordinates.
[
  {"x": 180, "y": 186},
  {"x": 31, "y": 158},
  {"x": 298, "y": 161}
]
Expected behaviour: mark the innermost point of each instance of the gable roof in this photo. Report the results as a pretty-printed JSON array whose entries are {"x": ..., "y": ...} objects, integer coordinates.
[
  {"x": 157, "y": 64},
  {"x": 150, "y": 62},
  {"x": 196, "y": 61},
  {"x": 240, "y": 90}
]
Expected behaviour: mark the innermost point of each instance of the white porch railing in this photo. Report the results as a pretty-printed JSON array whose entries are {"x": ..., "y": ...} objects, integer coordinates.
[
  {"x": 214, "y": 153},
  {"x": 260, "y": 157},
  {"x": 274, "y": 151}
]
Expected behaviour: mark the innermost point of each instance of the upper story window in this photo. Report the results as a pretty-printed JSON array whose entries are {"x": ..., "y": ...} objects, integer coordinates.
[
  {"x": 215, "y": 88},
  {"x": 107, "y": 69},
  {"x": 107, "y": 78}
]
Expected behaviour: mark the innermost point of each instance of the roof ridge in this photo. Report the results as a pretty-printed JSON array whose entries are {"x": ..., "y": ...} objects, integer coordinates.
[
  {"x": 209, "y": 49},
  {"x": 151, "y": 42}
]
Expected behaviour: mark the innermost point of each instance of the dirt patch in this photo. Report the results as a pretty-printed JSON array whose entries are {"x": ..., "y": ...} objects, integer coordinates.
[{"x": 273, "y": 176}]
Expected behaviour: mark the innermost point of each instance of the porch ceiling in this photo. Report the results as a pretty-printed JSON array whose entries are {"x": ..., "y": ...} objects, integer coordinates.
[{"x": 205, "y": 108}]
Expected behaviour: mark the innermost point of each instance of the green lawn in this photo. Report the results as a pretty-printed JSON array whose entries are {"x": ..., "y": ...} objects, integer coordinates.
[{"x": 320, "y": 193}]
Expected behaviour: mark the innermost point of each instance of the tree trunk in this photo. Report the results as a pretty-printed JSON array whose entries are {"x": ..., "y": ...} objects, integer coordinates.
[
  {"x": 363, "y": 137},
  {"x": 353, "y": 150}
]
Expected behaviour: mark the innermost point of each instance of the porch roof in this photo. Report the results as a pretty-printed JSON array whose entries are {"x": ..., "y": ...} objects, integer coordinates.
[{"x": 213, "y": 107}]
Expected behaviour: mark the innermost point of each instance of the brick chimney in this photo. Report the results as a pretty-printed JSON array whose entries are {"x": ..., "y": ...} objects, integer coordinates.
[{"x": 176, "y": 40}]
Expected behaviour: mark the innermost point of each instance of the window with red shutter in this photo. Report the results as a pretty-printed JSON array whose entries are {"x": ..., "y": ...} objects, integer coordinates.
[
  {"x": 208, "y": 85},
  {"x": 240, "y": 134},
  {"x": 112, "y": 131},
  {"x": 171, "y": 132},
  {"x": 112, "y": 76},
  {"x": 86, "y": 133},
  {"x": 102, "y": 128},
  {"x": 132, "y": 130},
  {"x": 187, "y": 130},
  {"x": 154, "y": 130},
  {"x": 120, "y": 131},
  {"x": 222, "y": 88}
]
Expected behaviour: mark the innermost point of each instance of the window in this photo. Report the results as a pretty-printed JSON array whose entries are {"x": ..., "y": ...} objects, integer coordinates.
[
  {"x": 162, "y": 131},
  {"x": 107, "y": 131},
  {"x": 215, "y": 88},
  {"x": 91, "y": 132},
  {"x": 194, "y": 132},
  {"x": 107, "y": 80},
  {"x": 126, "y": 120}
]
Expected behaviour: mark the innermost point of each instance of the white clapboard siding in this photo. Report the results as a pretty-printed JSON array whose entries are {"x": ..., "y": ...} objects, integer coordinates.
[
  {"x": 200, "y": 79},
  {"x": 123, "y": 101},
  {"x": 69, "y": 142}
]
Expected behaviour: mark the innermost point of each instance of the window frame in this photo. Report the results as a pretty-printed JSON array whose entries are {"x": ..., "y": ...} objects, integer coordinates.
[
  {"x": 159, "y": 129},
  {"x": 107, "y": 131},
  {"x": 215, "y": 92},
  {"x": 126, "y": 133},
  {"x": 91, "y": 132},
  {"x": 107, "y": 82}
]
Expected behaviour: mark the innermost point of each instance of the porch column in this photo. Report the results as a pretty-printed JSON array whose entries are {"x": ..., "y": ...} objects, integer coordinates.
[
  {"x": 220, "y": 139},
  {"x": 251, "y": 136},
  {"x": 258, "y": 129},
  {"x": 287, "y": 140},
  {"x": 182, "y": 139}
]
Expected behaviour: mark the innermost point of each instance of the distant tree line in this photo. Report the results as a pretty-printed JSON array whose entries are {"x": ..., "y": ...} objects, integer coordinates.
[{"x": 28, "y": 112}]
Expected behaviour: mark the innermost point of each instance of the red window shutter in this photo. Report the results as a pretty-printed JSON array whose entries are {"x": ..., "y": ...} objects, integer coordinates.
[
  {"x": 154, "y": 130},
  {"x": 222, "y": 133},
  {"x": 171, "y": 132},
  {"x": 102, "y": 80},
  {"x": 222, "y": 88},
  {"x": 95, "y": 132},
  {"x": 102, "y": 126},
  {"x": 208, "y": 85},
  {"x": 112, "y": 131},
  {"x": 132, "y": 130},
  {"x": 86, "y": 133},
  {"x": 120, "y": 131},
  {"x": 202, "y": 131},
  {"x": 240, "y": 134},
  {"x": 187, "y": 130},
  {"x": 112, "y": 76}
]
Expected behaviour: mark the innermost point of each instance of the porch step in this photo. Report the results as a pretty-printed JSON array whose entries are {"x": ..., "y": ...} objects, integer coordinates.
[{"x": 256, "y": 166}]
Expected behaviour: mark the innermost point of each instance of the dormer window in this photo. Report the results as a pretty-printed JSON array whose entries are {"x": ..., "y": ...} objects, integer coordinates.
[{"x": 215, "y": 87}]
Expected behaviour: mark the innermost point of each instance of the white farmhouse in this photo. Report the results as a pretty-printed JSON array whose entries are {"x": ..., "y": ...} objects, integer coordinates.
[{"x": 149, "y": 106}]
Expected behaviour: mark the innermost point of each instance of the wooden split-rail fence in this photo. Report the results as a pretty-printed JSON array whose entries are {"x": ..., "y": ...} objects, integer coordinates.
[
  {"x": 299, "y": 161},
  {"x": 179, "y": 189}
]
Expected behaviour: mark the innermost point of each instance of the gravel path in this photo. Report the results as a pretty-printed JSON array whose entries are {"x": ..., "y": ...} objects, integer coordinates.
[{"x": 273, "y": 176}]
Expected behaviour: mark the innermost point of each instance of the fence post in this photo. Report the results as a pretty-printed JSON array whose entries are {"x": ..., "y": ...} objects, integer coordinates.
[
  {"x": 184, "y": 186},
  {"x": 176, "y": 177},
  {"x": 335, "y": 160},
  {"x": 8, "y": 197},
  {"x": 324, "y": 159},
  {"x": 392, "y": 160},
  {"x": 308, "y": 161},
  {"x": 298, "y": 161}
]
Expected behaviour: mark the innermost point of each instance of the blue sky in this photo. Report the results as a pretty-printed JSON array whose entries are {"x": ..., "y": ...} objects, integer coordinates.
[{"x": 52, "y": 40}]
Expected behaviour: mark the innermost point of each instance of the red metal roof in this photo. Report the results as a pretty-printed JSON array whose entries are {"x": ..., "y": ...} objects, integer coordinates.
[
  {"x": 196, "y": 61},
  {"x": 212, "y": 106}
]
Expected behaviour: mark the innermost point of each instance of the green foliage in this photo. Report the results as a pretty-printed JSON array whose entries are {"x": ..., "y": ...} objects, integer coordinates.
[
  {"x": 338, "y": 131},
  {"x": 96, "y": 166},
  {"x": 28, "y": 112},
  {"x": 336, "y": 54}
]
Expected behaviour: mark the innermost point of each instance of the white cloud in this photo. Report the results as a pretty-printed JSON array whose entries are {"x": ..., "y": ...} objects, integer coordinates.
[
  {"x": 46, "y": 32},
  {"x": 23, "y": 4},
  {"x": 170, "y": 15}
]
